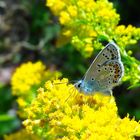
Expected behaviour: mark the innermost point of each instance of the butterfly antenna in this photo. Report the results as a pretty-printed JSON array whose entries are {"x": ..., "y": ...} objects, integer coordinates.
[
  {"x": 70, "y": 82},
  {"x": 68, "y": 98},
  {"x": 111, "y": 97},
  {"x": 60, "y": 83},
  {"x": 72, "y": 92}
]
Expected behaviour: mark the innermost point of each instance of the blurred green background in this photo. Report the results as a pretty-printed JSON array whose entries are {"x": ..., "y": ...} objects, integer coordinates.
[{"x": 28, "y": 32}]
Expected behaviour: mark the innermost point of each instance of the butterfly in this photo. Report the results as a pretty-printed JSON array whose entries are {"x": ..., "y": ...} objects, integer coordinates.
[{"x": 104, "y": 73}]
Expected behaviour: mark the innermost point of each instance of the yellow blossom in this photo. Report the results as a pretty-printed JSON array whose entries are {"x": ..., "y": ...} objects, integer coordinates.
[
  {"x": 64, "y": 17},
  {"x": 84, "y": 19},
  {"x": 72, "y": 11},
  {"x": 21, "y": 102},
  {"x": 26, "y": 79},
  {"x": 57, "y": 5},
  {"x": 61, "y": 112},
  {"x": 67, "y": 33},
  {"x": 21, "y": 135},
  {"x": 27, "y": 75}
]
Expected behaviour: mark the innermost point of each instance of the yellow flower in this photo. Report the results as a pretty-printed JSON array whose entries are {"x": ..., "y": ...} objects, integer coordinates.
[
  {"x": 126, "y": 35},
  {"x": 21, "y": 102},
  {"x": 21, "y": 135},
  {"x": 27, "y": 75},
  {"x": 57, "y": 5},
  {"x": 88, "y": 49},
  {"x": 61, "y": 112},
  {"x": 64, "y": 17},
  {"x": 84, "y": 19},
  {"x": 67, "y": 33},
  {"x": 26, "y": 79},
  {"x": 81, "y": 19},
  {"x": 72, "y": 11}
]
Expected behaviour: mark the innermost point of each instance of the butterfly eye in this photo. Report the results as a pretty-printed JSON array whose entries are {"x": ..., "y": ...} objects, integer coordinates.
[{"x": 79, "y": 85}]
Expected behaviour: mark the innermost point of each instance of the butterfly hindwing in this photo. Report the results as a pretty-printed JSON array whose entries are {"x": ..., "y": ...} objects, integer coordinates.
[{"x": 110, "y": 74}]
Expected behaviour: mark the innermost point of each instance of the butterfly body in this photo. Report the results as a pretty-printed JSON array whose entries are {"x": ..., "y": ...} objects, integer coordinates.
[
  {"x": 104, "y": 73},
  {"x": 88, "y": 87}
]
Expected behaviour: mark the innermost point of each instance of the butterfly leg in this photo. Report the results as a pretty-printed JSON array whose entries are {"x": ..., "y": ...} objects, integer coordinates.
[{"x": 108, "y": 92}]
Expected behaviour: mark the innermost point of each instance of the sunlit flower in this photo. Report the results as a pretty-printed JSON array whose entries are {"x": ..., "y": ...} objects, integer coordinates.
[
  {"x": 21, "y": 135},
  {"x": 61, "y": 112},
  {"x": 64, "y": 17},
  {"x": 26, "y": 79},
  {"x": 84, "y": 19}
]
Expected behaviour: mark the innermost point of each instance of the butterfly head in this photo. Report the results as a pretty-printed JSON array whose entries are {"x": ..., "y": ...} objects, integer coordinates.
[{"x": 78, "y": 84}]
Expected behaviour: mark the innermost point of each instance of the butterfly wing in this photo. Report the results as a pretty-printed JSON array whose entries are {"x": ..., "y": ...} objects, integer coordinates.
[
  {"x": 110, "y": 74},
  {"x": 107, "y": 68}
]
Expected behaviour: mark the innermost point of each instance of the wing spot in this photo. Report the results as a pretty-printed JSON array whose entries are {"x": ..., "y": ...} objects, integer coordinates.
[
  {"x": 114, "y": 81},
  {"x": 92, "y": 79}
]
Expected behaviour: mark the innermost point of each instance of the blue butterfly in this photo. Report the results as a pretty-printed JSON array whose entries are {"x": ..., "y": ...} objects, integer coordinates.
[{"x": 104, "y": 73}]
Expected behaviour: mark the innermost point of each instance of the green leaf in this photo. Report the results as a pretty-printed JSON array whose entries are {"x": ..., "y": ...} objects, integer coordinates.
[
  {"x": 134, "y": 86},
  {"x": 8, "y": 124}
]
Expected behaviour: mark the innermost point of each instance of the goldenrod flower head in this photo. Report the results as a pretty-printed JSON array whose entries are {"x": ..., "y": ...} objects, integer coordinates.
[
  {"x": 64, "y": 17},
  {"x": 21, "y": 135},
  {"x": 27, "y": 75},
  {"x": 84, "y": 19},
  {"x": 30, "y": 74},
  {"x": 124, "y": 35},
  {"x": 57, "y": 7},
  {"x": 72, "y": 11},
  {"x": 26, "y": 79},
  {"x": 61, "y": 112}
]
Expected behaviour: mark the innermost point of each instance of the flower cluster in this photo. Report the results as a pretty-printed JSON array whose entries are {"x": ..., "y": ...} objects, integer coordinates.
[
  {"x": 22, "y": 134},
  {"x": 86, "y": 24},
  {"x": 26, "y": 79},
  {"x": 83, "y": 22},
  {"x": 61, "y": 112},
  {"x": 125, "y": 36}
]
